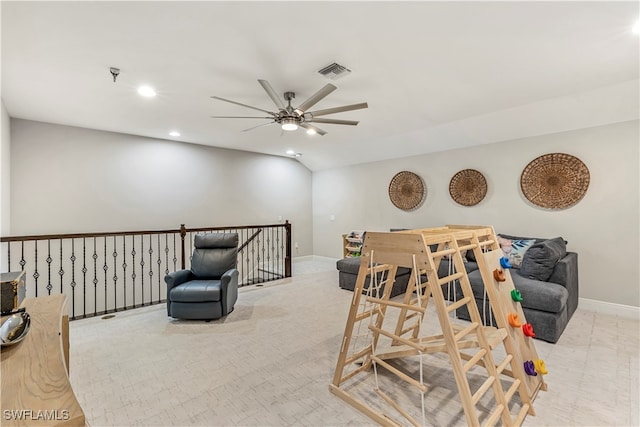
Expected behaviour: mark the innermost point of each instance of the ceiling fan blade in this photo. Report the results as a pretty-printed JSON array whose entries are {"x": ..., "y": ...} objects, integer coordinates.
[
  {"x": 339, "y": 109},
  {"x": 334, "y": 121},
  {"x": 255, "y": 127},
  {"x": 313, "y": 128},
  {"x": 239, "y": 117},
  {"x": 272, "y": 94},
  {"x": 326, "y": 90},
  {"x": 244, "y": 105}
]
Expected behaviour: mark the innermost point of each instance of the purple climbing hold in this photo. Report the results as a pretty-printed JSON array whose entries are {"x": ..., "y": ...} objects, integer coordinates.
[{"x": 530, "y": 368}]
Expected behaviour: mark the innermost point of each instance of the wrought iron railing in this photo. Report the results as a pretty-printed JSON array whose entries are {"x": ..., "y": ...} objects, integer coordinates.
[{"x": 103, "y": 273}]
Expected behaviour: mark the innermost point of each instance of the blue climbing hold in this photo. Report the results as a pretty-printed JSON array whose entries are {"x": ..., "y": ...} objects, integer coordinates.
[{"x": 504, "y": 262}]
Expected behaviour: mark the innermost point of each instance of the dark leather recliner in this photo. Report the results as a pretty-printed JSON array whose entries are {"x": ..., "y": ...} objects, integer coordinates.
[{"x": 209, "y": 289}]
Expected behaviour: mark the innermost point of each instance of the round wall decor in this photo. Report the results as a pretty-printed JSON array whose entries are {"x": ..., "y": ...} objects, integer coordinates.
[
  {"x": 555, "y": 181},
  {"x": 407, "y": 191},
  {"x": 468, "y": 187}
]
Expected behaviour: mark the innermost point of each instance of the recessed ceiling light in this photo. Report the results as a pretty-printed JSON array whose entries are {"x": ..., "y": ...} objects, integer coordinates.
[
  {"x": 311, "y": 131},
  {"x": 291, "y": 152},
  {"x": 146, "y": 91},
  {"x": 636, "y": 27},
  {"x": 174, "y": 133}
]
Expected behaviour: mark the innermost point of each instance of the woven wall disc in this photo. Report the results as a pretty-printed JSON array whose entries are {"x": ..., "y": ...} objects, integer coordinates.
[
  {"x": 407, "y": 191},
  {"x": 468, "y": 187},
  {"x": 555, "y": 181}
]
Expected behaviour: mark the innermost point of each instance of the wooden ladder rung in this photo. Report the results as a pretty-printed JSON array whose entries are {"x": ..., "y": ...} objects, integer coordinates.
[
  {"x": 474, "y": 359},
  {"x": 443, "y": 253},
  {"x": 458, "y": 304},
  {"x": 358, "y": 355},
  {"x": 482, "y": 390},
  {"x": 400, "y": 374},
  {"x": 353, "y": 373},
  {"x": 395, "y": 304},
  {"x": 493, "y": 417},
  {"x": 512, "y": 390},
  {"x": 451, "y": 278},
  {"x": 410, "y": 328},
  {"x": 504, "y": 363},
  {"x": 486, "y": 242},
  {"x": 466, "y": 331},
  {"x": 396, "y": 337},
  {"x": 467, "y": 247},
  {"x": 411, "y": 316},
  {"x": 366, "y": 314}
]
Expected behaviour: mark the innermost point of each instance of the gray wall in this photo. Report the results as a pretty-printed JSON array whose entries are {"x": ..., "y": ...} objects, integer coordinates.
[
  {"x": 66, "y": 179},
  {"x": 5, "y": 181},
  {"x": 602, "y": 227}
]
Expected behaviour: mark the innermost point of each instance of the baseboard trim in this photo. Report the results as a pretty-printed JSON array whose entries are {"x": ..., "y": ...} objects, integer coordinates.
[
  {"x": 613, "y": 309},
  {"x": 314, "y": 258}
]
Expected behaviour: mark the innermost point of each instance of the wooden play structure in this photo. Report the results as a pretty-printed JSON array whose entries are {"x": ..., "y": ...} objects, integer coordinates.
[{"x": 381, "y": 332}]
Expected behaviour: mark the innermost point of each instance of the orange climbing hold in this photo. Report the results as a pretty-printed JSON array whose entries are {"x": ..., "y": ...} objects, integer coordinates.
[
  {"x": 498, "y": 275},
  {"x": 513, "y": 320}
]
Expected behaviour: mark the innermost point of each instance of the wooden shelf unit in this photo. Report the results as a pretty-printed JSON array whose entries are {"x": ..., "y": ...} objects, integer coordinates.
[{"x": 352, "y": 243}]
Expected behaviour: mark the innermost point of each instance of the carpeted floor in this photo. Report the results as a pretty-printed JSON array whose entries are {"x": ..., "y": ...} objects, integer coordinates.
[{"x": 270, "y": 362}]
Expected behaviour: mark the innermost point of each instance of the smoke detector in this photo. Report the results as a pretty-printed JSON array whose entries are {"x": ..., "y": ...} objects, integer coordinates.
[{"x": 334, "y": 71}]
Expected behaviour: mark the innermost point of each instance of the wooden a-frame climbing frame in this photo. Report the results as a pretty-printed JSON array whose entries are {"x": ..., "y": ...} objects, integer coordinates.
[{"x": 467, "y": 346}]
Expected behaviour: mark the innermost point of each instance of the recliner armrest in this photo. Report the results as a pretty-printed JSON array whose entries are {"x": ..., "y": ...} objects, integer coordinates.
[
  {"x": 229, "y": 276},
  {"x": 177, "y": 277},
  {"x": 229, "y": 286}
]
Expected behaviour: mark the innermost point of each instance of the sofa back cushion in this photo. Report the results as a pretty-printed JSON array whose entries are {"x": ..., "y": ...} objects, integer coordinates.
[{"x": 541, "y": 258}]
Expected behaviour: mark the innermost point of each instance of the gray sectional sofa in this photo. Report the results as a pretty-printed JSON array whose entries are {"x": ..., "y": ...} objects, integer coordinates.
[{"x": 547, "y": 280}]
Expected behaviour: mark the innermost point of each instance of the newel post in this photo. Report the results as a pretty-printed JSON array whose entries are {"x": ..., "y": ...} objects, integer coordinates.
[
  {"x": 183, "y": 234},
  {"x": 287, "y": 259}
]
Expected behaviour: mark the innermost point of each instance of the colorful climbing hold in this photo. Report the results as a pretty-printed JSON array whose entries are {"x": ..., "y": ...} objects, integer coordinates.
[
  {"x": 540, "y": 367},
  {"x": 530, "y": 369},
  {"x": 498, "y": 275},
  {"x": 504, "y": 262},
  {"x": 513, "y": 320},
  {"x": 516, "y": 296},
  {"x": 527, "y": 329}
]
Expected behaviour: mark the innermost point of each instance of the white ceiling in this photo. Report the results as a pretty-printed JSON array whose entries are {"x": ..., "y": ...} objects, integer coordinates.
[{"x": 436, "y": 75}]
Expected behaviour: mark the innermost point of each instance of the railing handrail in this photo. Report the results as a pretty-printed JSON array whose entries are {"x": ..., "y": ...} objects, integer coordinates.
[{"x": 4, "y": 239}]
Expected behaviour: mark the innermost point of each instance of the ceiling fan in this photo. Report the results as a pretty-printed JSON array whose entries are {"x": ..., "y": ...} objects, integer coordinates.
[{"x": 290, "y": 118}]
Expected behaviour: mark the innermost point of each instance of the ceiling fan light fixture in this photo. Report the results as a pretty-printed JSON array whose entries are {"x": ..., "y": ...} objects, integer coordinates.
[
  {"x": 289, "y": 125},
  {"x": 146, "y": 91}
]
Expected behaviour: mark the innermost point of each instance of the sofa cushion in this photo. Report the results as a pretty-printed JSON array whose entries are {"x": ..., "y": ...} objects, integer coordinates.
[
  {"x": 541, "y": 258},
  {"x": 352, "y": 265},
  {"x": 196, "y": 291},
  {"x": 536, "y": 295}
]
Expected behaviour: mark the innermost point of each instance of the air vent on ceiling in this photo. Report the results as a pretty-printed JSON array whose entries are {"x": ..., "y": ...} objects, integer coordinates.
[{"x": 334, "y": 71}]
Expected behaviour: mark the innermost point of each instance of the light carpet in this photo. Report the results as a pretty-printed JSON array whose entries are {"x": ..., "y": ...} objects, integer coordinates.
[{"x": 270, "y": 362}]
